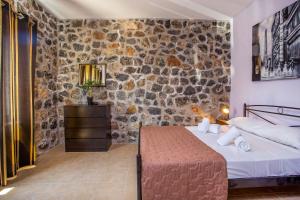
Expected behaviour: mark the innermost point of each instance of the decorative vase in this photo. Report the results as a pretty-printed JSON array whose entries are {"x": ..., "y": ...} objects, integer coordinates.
[
  {"x": 89, "y": 100},
  {"x": 83, "y": 99}
]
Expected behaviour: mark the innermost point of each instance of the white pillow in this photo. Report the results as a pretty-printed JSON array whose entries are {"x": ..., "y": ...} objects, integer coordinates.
[
  {"x": 248, "y": 124},
  {"x": 277, "y": 133}
]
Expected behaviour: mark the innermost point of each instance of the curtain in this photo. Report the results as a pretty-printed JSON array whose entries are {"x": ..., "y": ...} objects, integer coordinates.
[{"x": 18, "y": 41}]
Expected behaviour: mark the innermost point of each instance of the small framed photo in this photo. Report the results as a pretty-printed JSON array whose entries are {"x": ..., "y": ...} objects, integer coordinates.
[{"x": 95, "y": 73}]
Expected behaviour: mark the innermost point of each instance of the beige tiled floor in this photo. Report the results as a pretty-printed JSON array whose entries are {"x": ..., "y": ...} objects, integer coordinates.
[
  {"x": 86, "y": 176},
  {"x": 103, "y": 176}
]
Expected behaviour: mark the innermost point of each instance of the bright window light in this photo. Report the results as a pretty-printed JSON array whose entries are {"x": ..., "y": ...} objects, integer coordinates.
[{"x": 5, "y": 191}]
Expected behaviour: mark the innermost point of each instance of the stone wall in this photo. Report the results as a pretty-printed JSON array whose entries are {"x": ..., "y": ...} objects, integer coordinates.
[
  {"x": 45, "y": 100},
  {"x": 164, "y": 72}
]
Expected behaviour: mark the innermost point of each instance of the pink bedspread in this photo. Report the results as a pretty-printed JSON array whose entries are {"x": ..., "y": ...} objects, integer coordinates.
[{"x": 177, "y": 165}]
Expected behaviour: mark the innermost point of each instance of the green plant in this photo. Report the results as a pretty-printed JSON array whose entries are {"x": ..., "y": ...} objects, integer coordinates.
[{"x": 88, "y": 87}]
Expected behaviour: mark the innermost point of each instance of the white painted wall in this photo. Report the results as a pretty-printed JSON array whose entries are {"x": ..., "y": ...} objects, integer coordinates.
[{"x": 280, "y": 92}]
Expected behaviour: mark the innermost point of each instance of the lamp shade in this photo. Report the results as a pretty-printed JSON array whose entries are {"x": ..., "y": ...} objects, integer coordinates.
[{"x": 225, "y": 110}]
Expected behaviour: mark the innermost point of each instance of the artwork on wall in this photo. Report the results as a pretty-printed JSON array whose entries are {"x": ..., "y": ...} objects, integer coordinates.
[
  {"x": 92, "y": 72},
  {"x": 276, "y": 46}
]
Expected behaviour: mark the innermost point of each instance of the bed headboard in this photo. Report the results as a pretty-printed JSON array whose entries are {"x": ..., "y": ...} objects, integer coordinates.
[{"x": 258, "y": 110}]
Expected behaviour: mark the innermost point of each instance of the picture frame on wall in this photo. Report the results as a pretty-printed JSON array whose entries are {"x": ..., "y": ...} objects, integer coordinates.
[
  {"x": 276, "y": 46},
  {"x": 93, "y": 72}
]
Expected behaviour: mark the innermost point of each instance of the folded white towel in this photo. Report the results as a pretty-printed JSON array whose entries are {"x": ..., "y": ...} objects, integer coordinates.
[
  {"x": 224, "y": 128},
  {"x": 204, "y": 126},
  {"x": 214, "y": 128},
  {"x": 242, "y": 144},
  {"x": 229, "y": 136}
]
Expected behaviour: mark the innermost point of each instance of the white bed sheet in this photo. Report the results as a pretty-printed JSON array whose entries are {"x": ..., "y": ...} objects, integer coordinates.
[{"x": 266, "y": 158}]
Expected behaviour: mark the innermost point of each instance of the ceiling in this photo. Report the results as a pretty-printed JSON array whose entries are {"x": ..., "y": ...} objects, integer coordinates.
[{"x": 124, "y": 9}]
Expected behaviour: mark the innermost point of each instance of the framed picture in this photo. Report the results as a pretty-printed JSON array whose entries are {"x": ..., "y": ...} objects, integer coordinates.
[
  {"x": 92, "y": 72},
  {"x": 276, "y": 46}
]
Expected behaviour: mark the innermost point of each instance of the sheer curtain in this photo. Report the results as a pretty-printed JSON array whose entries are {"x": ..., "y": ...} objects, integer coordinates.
[{"x": 18, "y": 41}]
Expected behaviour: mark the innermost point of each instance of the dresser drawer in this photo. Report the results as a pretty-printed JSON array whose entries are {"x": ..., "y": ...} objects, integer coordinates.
[
  {"x": 86, "y": 111},
  {"x": 87, "y": 128},
  {"x": 86, "y": 123},
  {"x": 86, "y": 145},
  {"x": 87, "y": 133}
]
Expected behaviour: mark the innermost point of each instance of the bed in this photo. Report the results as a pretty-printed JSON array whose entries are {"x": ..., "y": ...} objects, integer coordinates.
[
  {"x": 268, "y": 164},
  {"x": 266, "y": 159}
]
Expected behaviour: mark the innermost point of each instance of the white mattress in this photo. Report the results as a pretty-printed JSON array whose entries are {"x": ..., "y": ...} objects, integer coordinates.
[{"x": 266, "y": 158}]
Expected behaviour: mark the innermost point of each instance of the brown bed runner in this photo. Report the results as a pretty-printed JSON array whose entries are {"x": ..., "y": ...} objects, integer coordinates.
[{"x": 177, "y": 165}]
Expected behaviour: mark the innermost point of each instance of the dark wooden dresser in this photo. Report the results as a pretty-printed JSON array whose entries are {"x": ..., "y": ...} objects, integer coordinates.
[{"x": 87, "y": 128}]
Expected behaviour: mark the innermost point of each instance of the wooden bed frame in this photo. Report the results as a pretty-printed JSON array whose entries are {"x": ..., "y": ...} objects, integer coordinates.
[{"x": 255, "y": 110}]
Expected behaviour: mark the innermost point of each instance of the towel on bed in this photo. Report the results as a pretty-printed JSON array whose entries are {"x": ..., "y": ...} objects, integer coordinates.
[
  {"x": 229, "y": 137},
  {"x": 242, "y": 144},
  {"x": 214, "y": 128},
  {"x": 204, "y": 126}
]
